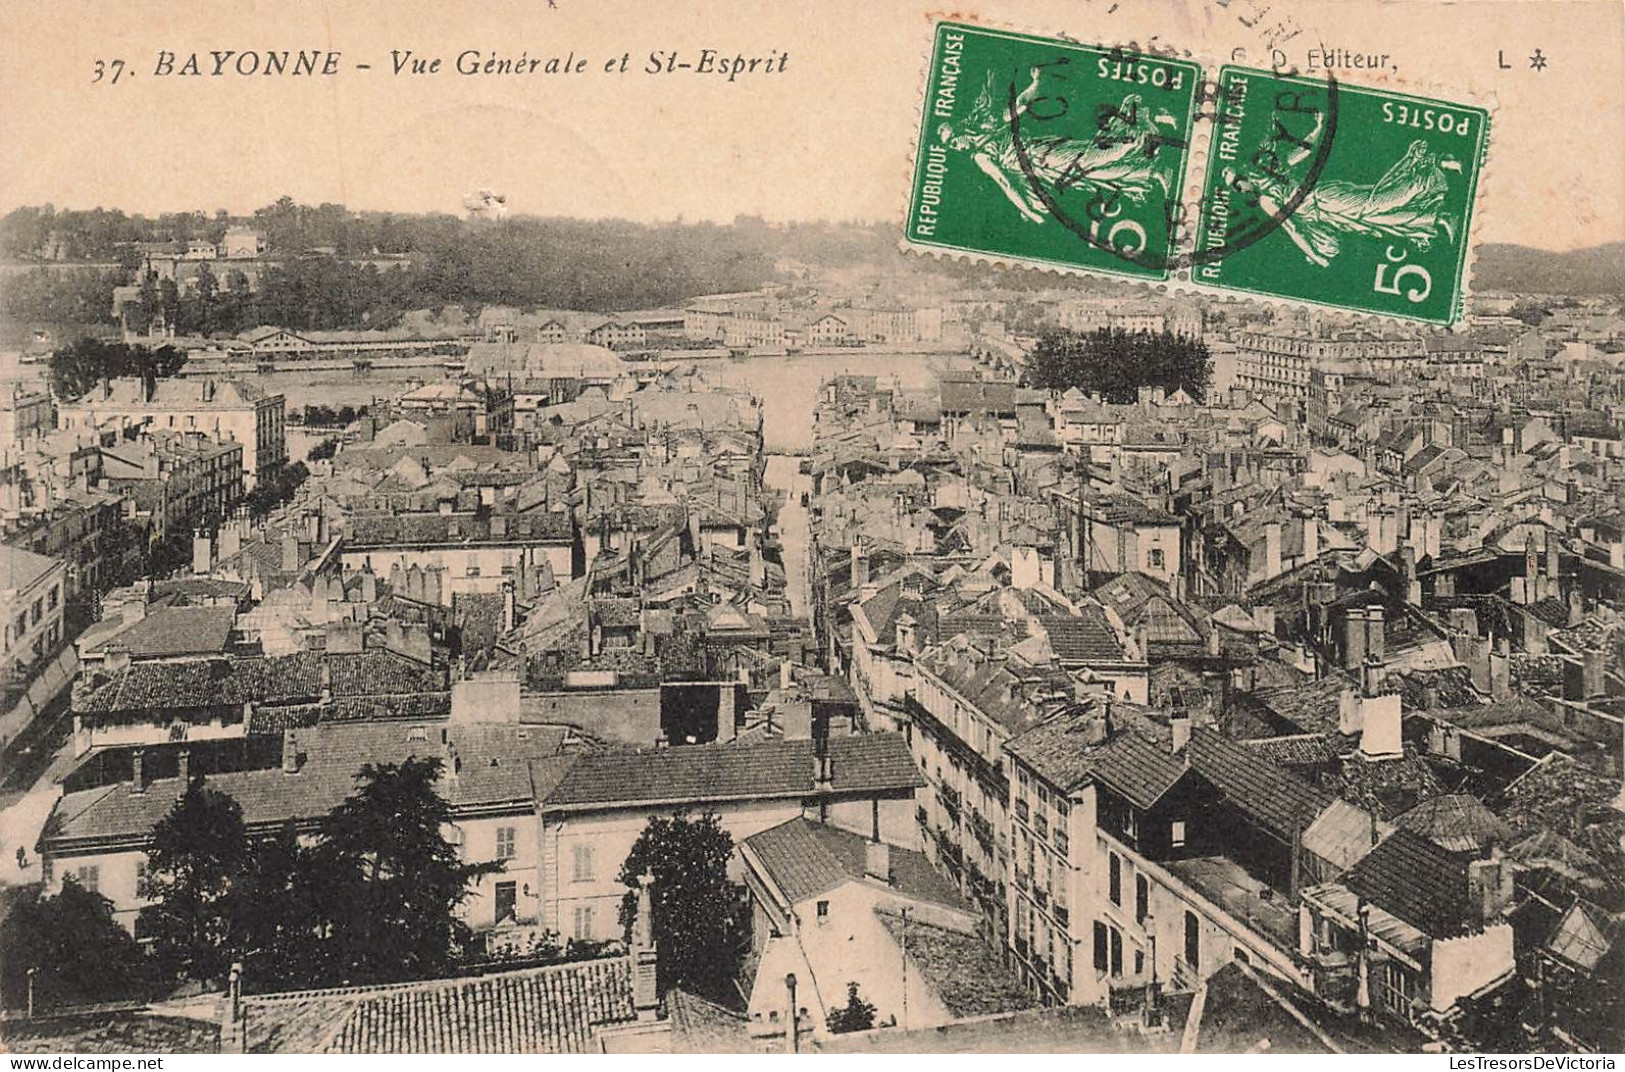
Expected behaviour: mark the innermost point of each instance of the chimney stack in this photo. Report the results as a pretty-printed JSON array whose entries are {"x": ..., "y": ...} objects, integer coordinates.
[
  {"x": 138, "y": 771},
  {"x": 183, "y": 769},
  {"x": 1380, "y": 736}
]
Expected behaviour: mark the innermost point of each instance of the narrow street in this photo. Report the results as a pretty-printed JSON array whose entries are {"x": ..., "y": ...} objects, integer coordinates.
[{"x": 784, "y": 473}]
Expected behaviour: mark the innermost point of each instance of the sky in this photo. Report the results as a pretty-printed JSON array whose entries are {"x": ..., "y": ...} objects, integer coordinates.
[{"x": 828, "y": 137}]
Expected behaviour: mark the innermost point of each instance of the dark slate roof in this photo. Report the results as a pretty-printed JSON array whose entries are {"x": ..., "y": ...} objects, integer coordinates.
[
  {"x": 173, "y": 631},
  {"x": 1410, "y": 877},
  {"x": 1268, "y": 793},
  {"x": 805, "y": 859},
  {"x": 696, "y": 774},
  {"x": 966, "y": 972},
  {"x": 555, "y": 1009}
]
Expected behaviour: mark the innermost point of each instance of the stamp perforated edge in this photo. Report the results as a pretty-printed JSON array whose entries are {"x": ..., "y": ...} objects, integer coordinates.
[
  {"x": 1468, "y": 247},
  {"x": 1195, "y": 175}
]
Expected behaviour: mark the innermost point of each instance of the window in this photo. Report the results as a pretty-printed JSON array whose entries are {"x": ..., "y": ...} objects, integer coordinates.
[
  {"x": 1177, "y": 833},
  {"x": 507, "y": 901},
  {"x": 53, "y": 597},
  {"x": 473, "y": 569},
  {"x": 1156, "y": 558},
  {"x": 1193, "y": 941},
  {"x": 1117, "y": 952},
  {"x": 505, "y": 843},
  {"x": 1115, "y": 879},
  {"x": 1101, "y": 961},
  {"x": 582, "y": 931},
  {"x": 823, "y": 912},
  {"x": 88, "y": 877},
  {"x": 582, "y": 860},
  {"x": 1142, "y": 898}
]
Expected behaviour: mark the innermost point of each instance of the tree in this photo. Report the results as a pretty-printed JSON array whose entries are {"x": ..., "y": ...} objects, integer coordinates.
[
  {"x": 698, "y": 919},
  {"x": 855, "y": 1015},
  {"x": 81, "y": 365},
  {"x": 78, "y": 951},
  {"x": 282, "y": 942},
  {"x": 197, "y": 870},
  {"x": 390, "y": 881},
  {"x": 1115, "y": 364}
]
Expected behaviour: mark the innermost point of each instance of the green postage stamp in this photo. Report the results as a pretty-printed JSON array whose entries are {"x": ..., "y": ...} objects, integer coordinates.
[
  {"x": 1338, "y": 195},
  {"x": 1052, "y": 153},
  {"x": 1057, "y": 154}
]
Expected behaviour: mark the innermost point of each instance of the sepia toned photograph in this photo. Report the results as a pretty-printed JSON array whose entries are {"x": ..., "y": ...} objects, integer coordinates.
[{"x": 1043, "y": 527}]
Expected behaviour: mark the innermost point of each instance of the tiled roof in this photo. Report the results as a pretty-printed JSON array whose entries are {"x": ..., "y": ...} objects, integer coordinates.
[
  {"x": 115, "y": 1031},
  {"x": 876, "y": 762},
  {"x": 1393, "y": 785},
  {"x": 1139, "y": 769},
  {"x": 172, "y": 631},
  {"x": 1410, "y": 877},
  {"x": 389, "y": 530},
  {"x": 493, "y": 769},
  {"x": 966, "y": 973},
  {"x": 805, "y": 859},
  {"x": 1457, "y": 822},
  {"x": 1266, "y": 792},
  {"x": 543, "y": 1010},
  {"x": 1085, "y": 638},
  {"x": 1298, "y": 750},
  {"x": 273, "y": 680}
]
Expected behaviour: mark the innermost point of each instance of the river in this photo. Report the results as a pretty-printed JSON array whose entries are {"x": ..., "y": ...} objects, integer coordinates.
[{"x": 787, "y": 386}]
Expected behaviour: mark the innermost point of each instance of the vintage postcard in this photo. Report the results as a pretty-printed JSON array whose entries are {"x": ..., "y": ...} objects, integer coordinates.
[{"x": 1040, "y": 526}]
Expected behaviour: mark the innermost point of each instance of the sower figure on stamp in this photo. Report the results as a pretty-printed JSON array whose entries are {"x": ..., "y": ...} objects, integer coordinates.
[
  {"x": 1120, "y": 153},
  {"x": 1403, "y": 204}
]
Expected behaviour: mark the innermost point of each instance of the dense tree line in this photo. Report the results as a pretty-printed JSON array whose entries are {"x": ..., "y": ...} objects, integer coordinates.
[
  {"x": 78, "y": 367},
  {"x": 529, "y": 262},
  {"x": 1116, "y": 364}
]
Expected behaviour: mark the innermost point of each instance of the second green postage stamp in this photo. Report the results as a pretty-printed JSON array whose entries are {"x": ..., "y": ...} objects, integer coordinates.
[
  {"x": 1051, "y": 153},
  {"x": 1339, "y": 195}
]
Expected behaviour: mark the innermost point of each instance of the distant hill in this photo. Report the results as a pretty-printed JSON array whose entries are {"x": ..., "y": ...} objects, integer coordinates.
[{"x": 1598, "y": 270}]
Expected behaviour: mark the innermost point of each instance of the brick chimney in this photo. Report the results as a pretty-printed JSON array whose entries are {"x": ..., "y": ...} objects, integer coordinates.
[{"x": 138, "y": 771}]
